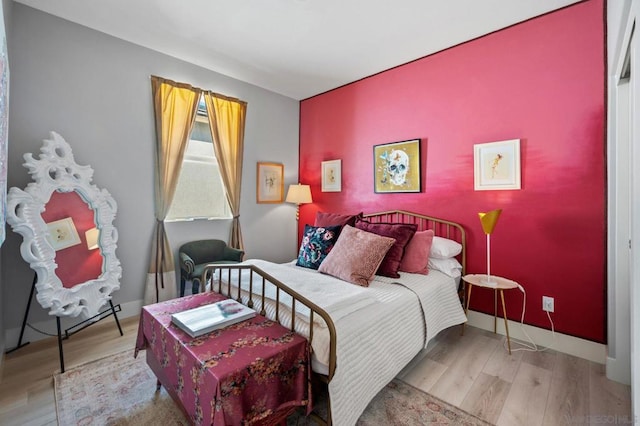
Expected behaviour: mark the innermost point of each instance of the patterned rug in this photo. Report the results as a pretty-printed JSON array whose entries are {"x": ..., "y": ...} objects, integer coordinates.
[{"x": 120, "y": 390}]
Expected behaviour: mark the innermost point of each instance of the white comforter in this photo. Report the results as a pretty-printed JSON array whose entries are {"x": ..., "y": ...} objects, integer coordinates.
[
  {"x": 331, "y": 294},
  {"x": 379, "y": 329}
]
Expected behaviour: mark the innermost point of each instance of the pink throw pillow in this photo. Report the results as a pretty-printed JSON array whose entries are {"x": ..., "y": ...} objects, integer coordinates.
[
  {"x": 416, "y": 253},
  {"x": 356, "y": 255}
]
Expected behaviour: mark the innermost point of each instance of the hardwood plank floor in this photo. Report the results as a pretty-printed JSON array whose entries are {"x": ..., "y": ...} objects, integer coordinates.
[
  {"x": 26, "y": 386},
  {"x": 526, "y": 388},
  {"x": 472, "y": 371}
]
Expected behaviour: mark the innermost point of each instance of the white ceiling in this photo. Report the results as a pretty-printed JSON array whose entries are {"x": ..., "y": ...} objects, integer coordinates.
[{"x": 298, "y": 48}]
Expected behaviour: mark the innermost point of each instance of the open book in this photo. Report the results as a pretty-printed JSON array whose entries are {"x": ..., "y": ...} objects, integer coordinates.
[{"x": 204, "y": 319}]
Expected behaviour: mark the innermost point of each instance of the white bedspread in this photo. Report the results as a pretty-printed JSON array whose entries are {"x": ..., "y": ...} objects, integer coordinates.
[
  {"x": 336, "y": 297},
  {"x": 439, "y": 299},
  {"x": 379, "y": 329},
  {"x": 376, "y": 344}
]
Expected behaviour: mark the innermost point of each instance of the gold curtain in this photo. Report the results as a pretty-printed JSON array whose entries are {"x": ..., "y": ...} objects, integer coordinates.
[
  {"x": 175, "y": 106},
  {"x": 226, "y": 120}
]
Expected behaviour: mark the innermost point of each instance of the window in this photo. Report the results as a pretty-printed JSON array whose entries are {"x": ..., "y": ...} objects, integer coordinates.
[{"x": 200, "y": 193}]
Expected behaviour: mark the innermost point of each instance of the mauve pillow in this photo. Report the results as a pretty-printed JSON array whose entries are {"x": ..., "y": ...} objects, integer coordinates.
[
  {"x": 356, "y": 255},
  {"x": 416, "y": 253},
  {"x": 401, "y": 232},
  {"x": 332, "y": 219}
]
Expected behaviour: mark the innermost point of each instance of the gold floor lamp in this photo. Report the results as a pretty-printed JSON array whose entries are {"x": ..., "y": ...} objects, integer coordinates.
[{"x": 488, "y": 221}]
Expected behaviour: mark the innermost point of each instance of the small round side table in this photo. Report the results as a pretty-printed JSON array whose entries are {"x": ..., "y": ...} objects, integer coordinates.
[{"x": 497, "y": 284}]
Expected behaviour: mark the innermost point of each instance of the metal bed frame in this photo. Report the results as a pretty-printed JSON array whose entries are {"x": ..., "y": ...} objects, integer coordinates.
[{"x": 220, "y": 277}]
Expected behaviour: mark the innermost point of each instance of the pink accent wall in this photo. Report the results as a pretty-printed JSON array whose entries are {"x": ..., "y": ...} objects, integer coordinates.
[
  {"x": 76, "y": 264},
  {"x": 543, "y": 82}
]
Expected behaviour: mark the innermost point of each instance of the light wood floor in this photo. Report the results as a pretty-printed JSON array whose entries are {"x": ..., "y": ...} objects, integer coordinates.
[
  {"x": 26, "y": 389},
  {"x": 473, "y": 372},
  {"x": 476, "y": 373}
]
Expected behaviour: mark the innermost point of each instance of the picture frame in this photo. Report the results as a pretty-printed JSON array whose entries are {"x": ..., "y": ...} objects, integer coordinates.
[
  {"x": 269, "y": 183},
  {"x": 63, "y": 234},
  {"x": 332, "y": 176},
  {"x": 397, "y": 167},
  {"x": 497, "y": 165}
]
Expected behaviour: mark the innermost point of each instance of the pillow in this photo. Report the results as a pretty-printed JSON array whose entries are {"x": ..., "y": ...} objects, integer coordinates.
[
  {"x": 401, "y": 232},
  {"x": 356, "y": 255},
  {"x": 416, "y": 253},
  {"x": 330, "y": 219},
  {"x": 450, "y": 266},
  {"x": 444, "y": 248},
  {"x": 317, "y": 242}
]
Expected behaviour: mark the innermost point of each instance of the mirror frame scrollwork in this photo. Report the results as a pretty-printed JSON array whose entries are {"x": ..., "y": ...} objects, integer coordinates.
[{"x": 56, "y": 170}]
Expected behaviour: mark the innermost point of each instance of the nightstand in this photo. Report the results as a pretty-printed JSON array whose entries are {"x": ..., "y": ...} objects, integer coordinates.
[{"x": 497, "y": 283}]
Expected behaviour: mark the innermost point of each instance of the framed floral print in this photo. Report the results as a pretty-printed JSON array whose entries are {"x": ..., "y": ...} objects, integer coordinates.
[
  {"x": 63, "y": 233},
  {"x": 332, "y": 176},
  {"x": 496, "y": 165},
  {"x": 269, "y": 183}
]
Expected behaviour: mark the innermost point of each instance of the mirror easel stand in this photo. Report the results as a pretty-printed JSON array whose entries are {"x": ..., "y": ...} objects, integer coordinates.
[
  {"x": 55, "y": 171},
  {"x": 113, "y": 310}
]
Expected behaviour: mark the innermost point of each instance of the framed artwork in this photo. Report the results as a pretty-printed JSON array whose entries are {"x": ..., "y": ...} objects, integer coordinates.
[
  {"x": 496, "y": 165},
  {"x": 396, "y": 167},
  {"x": 63, "y": 233},
  {"x": 270, "y": 183},
  {"x": 332, "y": 176}
]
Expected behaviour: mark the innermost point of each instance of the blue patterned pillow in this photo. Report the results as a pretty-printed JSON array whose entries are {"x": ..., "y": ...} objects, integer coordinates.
[{"x": 317, "y": 242}]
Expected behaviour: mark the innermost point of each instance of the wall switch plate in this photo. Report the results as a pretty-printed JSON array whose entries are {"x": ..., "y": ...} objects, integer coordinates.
[{"x": 547, "y": 303}]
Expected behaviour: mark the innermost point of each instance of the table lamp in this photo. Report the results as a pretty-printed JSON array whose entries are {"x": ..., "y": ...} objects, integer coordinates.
[
  {"x": 299, "y": 194},
  {"x": 92, "y": 238},
  {"x": 488, "y": 221}
]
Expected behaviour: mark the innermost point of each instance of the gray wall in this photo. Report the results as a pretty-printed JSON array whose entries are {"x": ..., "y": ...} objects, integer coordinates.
[
  {"x": 5, "y": 22},
  {"x": 95, "y": 91}
]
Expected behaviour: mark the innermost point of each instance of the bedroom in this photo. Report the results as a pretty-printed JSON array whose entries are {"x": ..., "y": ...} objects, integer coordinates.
[{"x": 56, "y": 76}]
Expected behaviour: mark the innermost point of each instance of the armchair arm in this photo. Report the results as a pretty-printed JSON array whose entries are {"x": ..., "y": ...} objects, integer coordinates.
[
  {"x": 233, "y": 254},
  {"x": 186, "y": 263}
]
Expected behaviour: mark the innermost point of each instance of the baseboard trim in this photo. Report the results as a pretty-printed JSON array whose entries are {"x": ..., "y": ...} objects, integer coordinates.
[
  {"x": 12, "y": 335},
  {"x": 619, "y": 370},
  {"x": 582, "y": 348}
]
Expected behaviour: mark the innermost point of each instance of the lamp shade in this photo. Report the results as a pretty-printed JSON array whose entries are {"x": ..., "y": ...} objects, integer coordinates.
[
  {"x": 489, "y": 220},
  {"x": 299, "y": 194},
  {"x": 92, "y": 238}
]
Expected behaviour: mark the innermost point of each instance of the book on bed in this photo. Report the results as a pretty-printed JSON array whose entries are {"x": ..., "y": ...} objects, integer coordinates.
[{"x": 205, "y": 319}]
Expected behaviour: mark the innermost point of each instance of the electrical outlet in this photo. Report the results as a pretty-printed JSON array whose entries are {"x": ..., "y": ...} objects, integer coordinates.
[{"x": 547, "y": 303}]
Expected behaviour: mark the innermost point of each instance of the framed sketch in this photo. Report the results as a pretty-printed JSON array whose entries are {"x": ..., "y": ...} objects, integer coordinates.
[
  {"x": 270, "y": 183},
  {"x": 496, "y": 165},
  {"x": 396, "y": 167},
  {"x": 332, "y": 176},
  {"x": 63, "y": 233}
]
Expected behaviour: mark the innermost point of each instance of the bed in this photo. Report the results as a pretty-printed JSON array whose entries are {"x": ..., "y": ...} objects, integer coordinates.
[{"x": 361, "y": 337}]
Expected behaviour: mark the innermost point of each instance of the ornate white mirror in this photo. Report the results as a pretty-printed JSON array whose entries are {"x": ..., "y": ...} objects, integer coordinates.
[{"x": 63, "y": 218}]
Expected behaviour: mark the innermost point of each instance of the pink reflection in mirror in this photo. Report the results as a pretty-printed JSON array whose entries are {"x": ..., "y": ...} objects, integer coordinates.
[{"x": 76, "y": 264}]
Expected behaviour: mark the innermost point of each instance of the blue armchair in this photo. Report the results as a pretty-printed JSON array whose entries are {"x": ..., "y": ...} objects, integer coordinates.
[{"x": 195, "y": 255}]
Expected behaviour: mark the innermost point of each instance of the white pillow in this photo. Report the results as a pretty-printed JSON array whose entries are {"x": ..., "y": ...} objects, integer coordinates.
[
  {"x": 450, "y": 266},
  {"x": 444, "y": 248}
]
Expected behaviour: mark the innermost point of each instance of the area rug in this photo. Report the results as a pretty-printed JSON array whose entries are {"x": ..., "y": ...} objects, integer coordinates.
[{"x": 121, "y": 390}]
